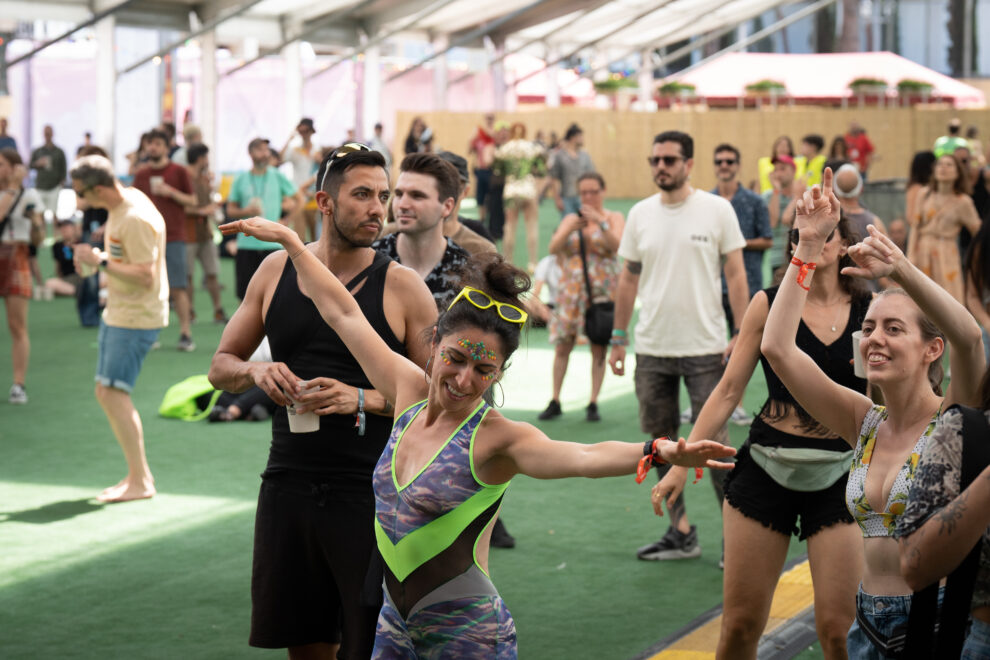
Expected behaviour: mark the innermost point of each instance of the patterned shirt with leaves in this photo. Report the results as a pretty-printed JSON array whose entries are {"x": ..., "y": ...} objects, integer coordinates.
[
  {"x": 936, "y": 484},
  {"x": 884, "y": 522}
]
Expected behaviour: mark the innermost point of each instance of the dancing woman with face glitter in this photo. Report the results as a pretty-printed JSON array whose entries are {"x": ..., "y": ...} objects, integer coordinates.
[{"x": 439, "y": 482}]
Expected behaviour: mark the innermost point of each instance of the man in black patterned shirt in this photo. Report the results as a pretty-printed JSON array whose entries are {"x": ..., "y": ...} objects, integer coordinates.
[{"x": 426, "y": 193}]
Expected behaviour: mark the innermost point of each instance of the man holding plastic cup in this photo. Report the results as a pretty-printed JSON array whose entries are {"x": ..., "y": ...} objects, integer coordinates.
[{"x": 314, "y": 533}]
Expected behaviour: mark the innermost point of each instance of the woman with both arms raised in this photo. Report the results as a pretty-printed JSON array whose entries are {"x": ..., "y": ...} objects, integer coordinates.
[
  {"x": 904, "y": 334},
  {"x": 763, "y": 503},
  {"x": 440, "y": 480}
]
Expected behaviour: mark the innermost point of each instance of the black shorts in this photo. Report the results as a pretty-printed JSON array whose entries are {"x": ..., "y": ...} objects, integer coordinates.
[
  {"x": 754, "y": 493},
  {"x": 312, "y": 551},
  {"x": 245, "y": 263}
]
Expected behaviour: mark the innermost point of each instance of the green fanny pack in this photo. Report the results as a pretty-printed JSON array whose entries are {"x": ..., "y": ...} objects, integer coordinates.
[{"x": 801, "y": 469}]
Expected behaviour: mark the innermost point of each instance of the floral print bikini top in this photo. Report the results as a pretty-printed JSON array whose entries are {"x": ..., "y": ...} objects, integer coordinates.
[{"x": 880, "y": 523}]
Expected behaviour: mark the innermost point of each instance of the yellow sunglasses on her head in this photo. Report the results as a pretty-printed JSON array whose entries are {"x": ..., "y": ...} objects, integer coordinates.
[{"x": 482, "y": 300}]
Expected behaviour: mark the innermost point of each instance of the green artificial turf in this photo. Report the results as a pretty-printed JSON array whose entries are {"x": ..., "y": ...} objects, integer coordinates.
[{"x": 169, "y": 577}]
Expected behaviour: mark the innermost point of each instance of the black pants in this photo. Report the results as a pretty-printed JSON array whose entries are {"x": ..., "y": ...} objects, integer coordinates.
[{"x": 245, "y": 263}]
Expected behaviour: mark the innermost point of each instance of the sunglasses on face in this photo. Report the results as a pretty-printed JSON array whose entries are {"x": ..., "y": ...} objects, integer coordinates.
[
  {"x": 341, "y": 152},
  {"x": 795, "y": 237},
  {"x": 669, "y": 161},
  {"x": 725, "y": 161},
  {"x": 482, "y": 300}
]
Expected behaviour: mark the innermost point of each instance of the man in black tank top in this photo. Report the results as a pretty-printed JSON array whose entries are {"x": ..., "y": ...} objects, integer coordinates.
[{"x": 311, "y": 586}]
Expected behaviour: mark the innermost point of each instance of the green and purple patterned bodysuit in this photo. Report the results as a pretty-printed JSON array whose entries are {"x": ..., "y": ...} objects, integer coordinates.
[{"x": 439, "y": 602}]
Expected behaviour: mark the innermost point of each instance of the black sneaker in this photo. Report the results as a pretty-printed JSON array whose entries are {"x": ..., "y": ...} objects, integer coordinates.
[
  {"x": 591, "y": 413},
  {"x": 553, "y": 410},
  {"x": 673, "y": 545},
  {"x": 501, "y": 537}
]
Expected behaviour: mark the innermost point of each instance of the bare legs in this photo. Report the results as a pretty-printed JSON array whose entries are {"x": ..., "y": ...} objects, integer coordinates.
[
  {"x": 509, "y": 229},
  {"x": 836, "y": 557},
  {"x": 20, "y": 344},
  {"x": 126, "y": 426},
  {"x": 561, "y": 358},
  {"x": 183, "y": 310},
  {"x": 754, "y": 557},
  {"x": 531, "y": 217}
]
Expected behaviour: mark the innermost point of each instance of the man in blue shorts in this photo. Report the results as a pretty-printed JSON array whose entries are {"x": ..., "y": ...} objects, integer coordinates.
[{"x": 133, "y": 259}]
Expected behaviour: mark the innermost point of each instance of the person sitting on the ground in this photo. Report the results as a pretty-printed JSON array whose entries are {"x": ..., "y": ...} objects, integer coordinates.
[{"x": 66, "y": 279}]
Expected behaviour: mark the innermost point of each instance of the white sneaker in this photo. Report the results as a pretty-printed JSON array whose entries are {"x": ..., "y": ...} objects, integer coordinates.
[
  {"x": 18, "y": 395},
  {"x": 686, "y": 415},
  {"x": 740, "y": 417}
]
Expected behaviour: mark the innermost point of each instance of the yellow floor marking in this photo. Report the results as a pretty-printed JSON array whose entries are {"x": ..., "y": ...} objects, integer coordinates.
[{"x": 793, "y": 595}]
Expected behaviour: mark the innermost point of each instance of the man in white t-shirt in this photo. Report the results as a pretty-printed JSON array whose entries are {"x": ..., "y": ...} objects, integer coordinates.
[{"x": 675, "y": 245}]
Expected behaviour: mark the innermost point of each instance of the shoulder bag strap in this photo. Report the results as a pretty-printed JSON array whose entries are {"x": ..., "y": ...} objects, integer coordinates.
[
  {"x": 584, "y": 264},
  {"x": 10, "y": 212},
  {"x": 959, "y": 587}
]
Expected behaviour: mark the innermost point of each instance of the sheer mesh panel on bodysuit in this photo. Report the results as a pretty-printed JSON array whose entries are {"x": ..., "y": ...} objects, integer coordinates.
[{"x": 450, "y": 563}]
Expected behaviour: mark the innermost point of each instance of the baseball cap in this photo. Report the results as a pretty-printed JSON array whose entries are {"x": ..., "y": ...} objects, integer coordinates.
[
  {"x": 257, "y": 142},
  {"x": 308, "y": 123},
  {"x": 783, "y": 158},
  {"x": 459, "y": 163}
]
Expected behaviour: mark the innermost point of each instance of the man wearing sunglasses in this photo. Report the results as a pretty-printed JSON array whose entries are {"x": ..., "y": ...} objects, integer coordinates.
[
  {"x": 676, "y": 244},
  {"x": 313, "y": 532}
]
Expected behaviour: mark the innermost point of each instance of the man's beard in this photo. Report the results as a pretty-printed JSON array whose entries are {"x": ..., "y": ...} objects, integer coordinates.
[
  {"x": 671, "y": 184},
  {"x": 348, "y": 240}
]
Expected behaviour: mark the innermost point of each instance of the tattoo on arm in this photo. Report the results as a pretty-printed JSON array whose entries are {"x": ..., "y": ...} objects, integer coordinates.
[
  {"x": 634, "y": 267},
  {"x": 950, "y": 516}
]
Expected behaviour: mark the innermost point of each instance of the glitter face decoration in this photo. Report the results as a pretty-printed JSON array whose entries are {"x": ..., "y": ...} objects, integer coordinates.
[
  {"x": 477, "y": 351},
  {"x": 444, "y": 358}
]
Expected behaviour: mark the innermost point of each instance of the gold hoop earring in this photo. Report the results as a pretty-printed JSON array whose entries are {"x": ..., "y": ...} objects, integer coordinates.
[{"x": 426, "y": 370}]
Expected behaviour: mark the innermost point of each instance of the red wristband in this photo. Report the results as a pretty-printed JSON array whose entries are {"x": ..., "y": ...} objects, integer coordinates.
[
  {"x": 803, "y": 273},
  {"x": 651, "y": 457}
]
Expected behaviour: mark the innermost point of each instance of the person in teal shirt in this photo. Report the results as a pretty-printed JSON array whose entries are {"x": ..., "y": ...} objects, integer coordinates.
[{"x": 261, "y": 191}]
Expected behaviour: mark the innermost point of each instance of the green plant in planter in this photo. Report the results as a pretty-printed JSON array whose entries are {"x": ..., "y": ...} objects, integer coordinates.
[
  {"x": 909, "y": 86},
  {"x": 767, "y": 86},
  {"x": 677, "y": 88},
  {"x": 614, "y": 84},
  {"x": 867, "y": 84}
]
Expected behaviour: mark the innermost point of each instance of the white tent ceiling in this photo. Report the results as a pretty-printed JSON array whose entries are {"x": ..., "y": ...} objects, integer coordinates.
[{"x": 614, "y": 29}]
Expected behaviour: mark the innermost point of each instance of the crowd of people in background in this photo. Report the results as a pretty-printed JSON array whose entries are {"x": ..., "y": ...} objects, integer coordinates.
[{"x": 791, "y": 270}]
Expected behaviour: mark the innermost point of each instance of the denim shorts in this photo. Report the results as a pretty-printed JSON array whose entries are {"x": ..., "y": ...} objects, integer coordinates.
[
  {"x": 884, "y": 613},
  {"x": 977, "y": 646},
  {"x": 176, "y": 264},
  {"x": 120, "y": 353}
]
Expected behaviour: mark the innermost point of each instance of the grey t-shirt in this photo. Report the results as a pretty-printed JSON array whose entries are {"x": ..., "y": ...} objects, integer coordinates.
[{"x": 567, "y": 170}]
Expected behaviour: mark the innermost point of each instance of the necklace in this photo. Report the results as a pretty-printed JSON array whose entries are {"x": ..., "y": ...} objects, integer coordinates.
[{"x": 835, "y": 321}]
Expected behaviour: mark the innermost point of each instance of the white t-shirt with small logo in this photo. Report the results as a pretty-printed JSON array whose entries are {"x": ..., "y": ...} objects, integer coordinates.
[{"x": 681, "y": 248}]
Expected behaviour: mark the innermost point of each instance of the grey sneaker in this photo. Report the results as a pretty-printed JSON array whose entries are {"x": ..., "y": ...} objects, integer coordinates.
[
  {"x": 186, "y": 344},
  {"x": 673, "y": 545},
  {"x": 18, "y": 395},
  {"x": 740, "y": 417}
]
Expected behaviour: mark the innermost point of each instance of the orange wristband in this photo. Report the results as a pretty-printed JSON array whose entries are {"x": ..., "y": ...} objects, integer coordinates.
[{"x": 803, "y": 273}]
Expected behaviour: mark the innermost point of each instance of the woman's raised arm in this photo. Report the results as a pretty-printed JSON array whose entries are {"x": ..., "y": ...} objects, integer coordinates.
[{"x": 839, "y": 408}]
